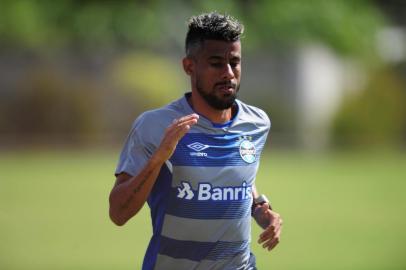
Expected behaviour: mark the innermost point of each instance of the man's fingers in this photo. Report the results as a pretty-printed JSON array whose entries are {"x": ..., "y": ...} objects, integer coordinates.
[
  {"x": 180, "y": 126},
  {"x": 188, "y": 122},
  {"x": 182, "y": 131},
  {"x": 183, "y": 127},
  {"x": 185, "y": 118},
  {"x": 267, "y": 234},
  {"x": 272, "y": 242},
  {"x": 272, "y": 232},
  {"x": 175, "y": 132}
]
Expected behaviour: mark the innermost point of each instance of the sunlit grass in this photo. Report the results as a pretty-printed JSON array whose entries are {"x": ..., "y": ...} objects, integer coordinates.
[{"x": 340, "y": 211}]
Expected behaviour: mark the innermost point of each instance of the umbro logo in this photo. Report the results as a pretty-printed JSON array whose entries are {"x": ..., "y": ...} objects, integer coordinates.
[{"x": 198, "y": 146}]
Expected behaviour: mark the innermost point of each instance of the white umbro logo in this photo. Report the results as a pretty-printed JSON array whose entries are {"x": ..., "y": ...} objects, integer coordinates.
[
  {"x": 198, "y": 146},
  {"x": 185, "y": 192}
]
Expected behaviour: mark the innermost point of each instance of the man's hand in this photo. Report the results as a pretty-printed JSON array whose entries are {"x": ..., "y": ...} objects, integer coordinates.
[
  {"x": 271, "y": 222},
  {"x": 130, "y": 192},
  {"x": 173, "y": 134}
]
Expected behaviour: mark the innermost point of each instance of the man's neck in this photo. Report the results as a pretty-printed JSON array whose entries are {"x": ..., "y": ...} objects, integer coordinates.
[{"x": 200, "y": 106}]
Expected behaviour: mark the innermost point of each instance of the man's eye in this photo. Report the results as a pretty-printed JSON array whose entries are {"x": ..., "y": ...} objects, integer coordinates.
[
  {"x": 234, "y": 65},
  {"x": 216, "y": 65}
]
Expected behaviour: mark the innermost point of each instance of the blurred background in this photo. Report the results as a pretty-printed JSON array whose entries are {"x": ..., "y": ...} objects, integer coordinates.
[{"x": 74, "y": 74}]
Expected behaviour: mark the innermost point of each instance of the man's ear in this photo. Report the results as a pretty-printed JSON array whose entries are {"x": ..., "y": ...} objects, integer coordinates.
[{"x": 188, "y": 65}]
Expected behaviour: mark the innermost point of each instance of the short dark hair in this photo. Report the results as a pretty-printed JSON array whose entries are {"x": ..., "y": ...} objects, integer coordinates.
[{"x": 211, "y": 26}]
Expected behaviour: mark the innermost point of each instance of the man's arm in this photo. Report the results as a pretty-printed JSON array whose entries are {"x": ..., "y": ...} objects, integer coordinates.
[
  {"x": 269, "y": 220},
  {"x": 130, "y": 192}
]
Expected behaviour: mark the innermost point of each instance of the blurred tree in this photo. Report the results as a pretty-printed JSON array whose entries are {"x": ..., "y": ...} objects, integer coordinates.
[
  {"x": 72, "y": 31},
  {"x": 347, "y": 26},
  {"x": 46, "y": 107},
  {"x": 377, "y": 116},
  {"x": 47, "y": 24},
  {"x": 149, "y": 79}
]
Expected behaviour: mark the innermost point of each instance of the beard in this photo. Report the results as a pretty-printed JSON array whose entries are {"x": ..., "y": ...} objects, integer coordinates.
[{"x": 220, "y": 102}]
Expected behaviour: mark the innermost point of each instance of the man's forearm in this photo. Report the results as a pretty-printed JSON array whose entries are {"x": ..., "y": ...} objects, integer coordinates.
[
  {"x": 130, "y": 193},
  {"x": 128, "y": 197}
]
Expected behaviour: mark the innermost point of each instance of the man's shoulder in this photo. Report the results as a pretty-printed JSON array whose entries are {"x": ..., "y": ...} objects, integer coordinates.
[
  {"x": 160, "y": 117},
  {"x": 253, "y": 114}
]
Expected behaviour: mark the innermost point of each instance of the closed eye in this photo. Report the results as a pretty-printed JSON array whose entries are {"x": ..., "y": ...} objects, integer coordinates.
[
  {"x": 234, "y": 64},
  {"x": 217, "y": 64}
]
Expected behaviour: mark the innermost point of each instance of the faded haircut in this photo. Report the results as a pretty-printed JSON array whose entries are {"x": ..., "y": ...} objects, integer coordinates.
[{"x": 211, "y": 26}]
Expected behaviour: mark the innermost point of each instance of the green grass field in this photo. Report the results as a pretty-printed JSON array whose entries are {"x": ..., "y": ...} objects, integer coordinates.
[{"x": 340, "y": 211}]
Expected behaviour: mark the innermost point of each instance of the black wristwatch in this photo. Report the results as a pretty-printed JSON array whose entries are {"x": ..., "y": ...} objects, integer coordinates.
[{"x": 260, "y": 200}]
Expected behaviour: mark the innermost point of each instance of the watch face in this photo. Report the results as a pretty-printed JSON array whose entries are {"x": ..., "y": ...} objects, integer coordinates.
[{"x": 261, "y": 199}]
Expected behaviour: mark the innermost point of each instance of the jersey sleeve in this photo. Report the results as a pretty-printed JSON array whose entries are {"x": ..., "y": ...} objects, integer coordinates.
[{"x": 135, "y": 152}]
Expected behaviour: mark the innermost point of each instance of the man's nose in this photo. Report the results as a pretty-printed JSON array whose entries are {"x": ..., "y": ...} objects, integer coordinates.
[{"x": 228, "y": 72}]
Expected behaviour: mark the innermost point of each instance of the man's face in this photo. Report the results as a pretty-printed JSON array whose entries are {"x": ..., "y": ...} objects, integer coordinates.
[{"x": 216, "y": 72}]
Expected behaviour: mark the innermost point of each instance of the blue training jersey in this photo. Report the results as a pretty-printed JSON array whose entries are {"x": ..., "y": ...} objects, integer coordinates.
[{"x": 201, "y": 201}]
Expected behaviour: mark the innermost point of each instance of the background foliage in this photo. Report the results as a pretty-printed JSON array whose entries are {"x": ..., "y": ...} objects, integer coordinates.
[
  {"x": 41, "y": 25},
  {"x": 80, "y": 69},
  {"x": 362, "y": 120}
]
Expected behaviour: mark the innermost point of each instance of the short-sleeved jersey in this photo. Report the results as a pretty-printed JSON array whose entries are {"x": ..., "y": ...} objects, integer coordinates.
[{"x": 201, "y": 201}]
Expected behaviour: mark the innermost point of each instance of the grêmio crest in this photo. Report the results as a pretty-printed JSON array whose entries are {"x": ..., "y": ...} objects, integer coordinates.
[{"x": 247, "y": 151}]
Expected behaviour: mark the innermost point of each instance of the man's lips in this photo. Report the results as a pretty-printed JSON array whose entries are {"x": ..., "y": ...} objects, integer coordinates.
[{"x": 228, "y": 87}]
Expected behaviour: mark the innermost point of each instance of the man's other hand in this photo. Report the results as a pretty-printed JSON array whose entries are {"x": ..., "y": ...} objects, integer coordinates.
[{"x": 271, "y": 222}]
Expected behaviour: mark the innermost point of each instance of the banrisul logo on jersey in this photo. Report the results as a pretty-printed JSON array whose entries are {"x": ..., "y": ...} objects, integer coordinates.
[
  {"x": 206, "y": 192},
  {"x": 247, "y": 151}
]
